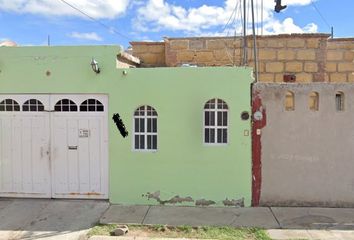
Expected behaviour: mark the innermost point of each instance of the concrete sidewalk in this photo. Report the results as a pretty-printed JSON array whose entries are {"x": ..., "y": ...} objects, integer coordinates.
[
  {"x": 263, "y": 217},
  {"x": 48, "y": 219},
  {"x": 281, "y": 222}
]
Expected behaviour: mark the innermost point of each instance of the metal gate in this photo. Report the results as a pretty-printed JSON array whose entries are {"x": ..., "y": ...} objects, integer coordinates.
[{"x": 54, "y": 146}]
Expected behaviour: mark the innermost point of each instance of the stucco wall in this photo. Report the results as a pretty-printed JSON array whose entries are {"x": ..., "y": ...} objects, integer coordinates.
[
  {"x": 307, "y": 156},
  {"x": 182, "y": 165},
  {"x": 310, "y": 57}
]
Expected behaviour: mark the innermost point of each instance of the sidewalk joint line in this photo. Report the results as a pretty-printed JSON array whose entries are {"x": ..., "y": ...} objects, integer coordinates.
[
  {"x": 276, "y": 219},
  {"x": 142, "y": 222}
]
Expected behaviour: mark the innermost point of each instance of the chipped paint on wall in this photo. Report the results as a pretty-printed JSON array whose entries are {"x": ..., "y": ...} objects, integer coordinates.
[
  {"x": 200, "y": 202},
  {"x": 174, "y": 200},
  {"x": 234, "y": 203},
  {"x": 203, "y": 202}
]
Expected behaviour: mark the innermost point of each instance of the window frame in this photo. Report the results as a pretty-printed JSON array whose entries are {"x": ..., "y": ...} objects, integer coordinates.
[
  {"x": 27, "y": 104},
  {"x": 315, "y": 98},
  {"x": 216, "y": 127},
  {"x": 342, "y": 101},
  {"x": 98, "y": 104},
  {"x": 69, "y": 105},
  {"x": 145, "y": 117},
  {"x": 292, "y": 94},
  {"x": 14, "y": 104}
]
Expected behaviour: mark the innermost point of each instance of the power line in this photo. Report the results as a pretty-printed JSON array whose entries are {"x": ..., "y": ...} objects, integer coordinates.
[
  {"x": 319, "y": 13},
  {"x": 232, "y": 14},
  {"x": 111, "y": 29}
]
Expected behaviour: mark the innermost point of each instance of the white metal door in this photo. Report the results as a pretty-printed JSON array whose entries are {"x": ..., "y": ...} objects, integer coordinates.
[
  {"x": 54, "y": 146},
  {"x": 79, "y": 146},
  {"x": 24, "y": 146}
]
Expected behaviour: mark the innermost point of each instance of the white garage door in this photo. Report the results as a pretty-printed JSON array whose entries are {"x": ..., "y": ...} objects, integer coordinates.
[{"x": 54, "y": 146}]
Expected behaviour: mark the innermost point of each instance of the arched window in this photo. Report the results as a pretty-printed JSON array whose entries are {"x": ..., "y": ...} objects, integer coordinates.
[
  {"x": 9, "y": 105},
  {"x": 33, "y": 105},
  {"x": 289, "y": 101},
  {"x": 91, "y": 105},
  {"x": 145, "y": 128},
  {"x": 314, "y": 101},
  {"x": 339, "y": 101},
  {"x": 65, "y": 105},
  {"x": 215, "y": 122}
]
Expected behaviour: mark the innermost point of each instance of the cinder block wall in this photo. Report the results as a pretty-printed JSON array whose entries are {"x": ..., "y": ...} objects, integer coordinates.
[
  {"x": 310, "y": 57},
  {"x": 340, "y": 60},
  {"x": 151, "y": 54},
  {"x": 306, "y": 154}
]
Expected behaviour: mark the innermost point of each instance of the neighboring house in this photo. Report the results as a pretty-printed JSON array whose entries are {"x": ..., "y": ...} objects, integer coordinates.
[
  {"x": 302, "y": 111},
  {"x": 189, "y": 129}
]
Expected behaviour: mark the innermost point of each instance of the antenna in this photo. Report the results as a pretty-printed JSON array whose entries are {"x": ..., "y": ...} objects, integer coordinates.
[{"x": 332, "y": 32}]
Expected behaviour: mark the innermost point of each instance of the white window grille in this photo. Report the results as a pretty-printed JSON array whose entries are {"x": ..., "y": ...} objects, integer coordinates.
[
  {"x": 145, "y": 129},
  {"x": 91, "y": 105},
  {"x": 216, "y": 122},
  {"x": 65, "y": 105},
  {"x": 33, "y": 105},
  {"x": 9, "y": 105}
]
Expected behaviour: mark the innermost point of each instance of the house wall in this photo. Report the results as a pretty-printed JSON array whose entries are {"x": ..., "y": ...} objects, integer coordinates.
[
  {"x": 306, "y": 156},
  {"x": 310, "y": 57},
  {"x": 182, "y": 166}
]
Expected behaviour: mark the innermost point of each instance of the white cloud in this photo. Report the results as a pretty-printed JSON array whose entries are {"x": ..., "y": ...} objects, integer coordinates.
[
  {"x": 161, "y": 14},
  {"x": 86, "y": 36},
  {"x": 288, "y": 26},
  {"x": 95, "y": 8}
]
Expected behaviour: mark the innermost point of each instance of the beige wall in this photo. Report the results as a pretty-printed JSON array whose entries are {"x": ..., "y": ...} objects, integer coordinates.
[
  {"x": 311, "y": 57},
  {"x": 306, "y": 155}
]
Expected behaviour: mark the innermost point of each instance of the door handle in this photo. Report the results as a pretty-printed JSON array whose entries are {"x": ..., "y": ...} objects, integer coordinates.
[{"x": 72, "y": 147}]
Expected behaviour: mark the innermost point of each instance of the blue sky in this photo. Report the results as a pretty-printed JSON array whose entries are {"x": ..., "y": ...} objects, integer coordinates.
[{"x": 29, "y": 22}]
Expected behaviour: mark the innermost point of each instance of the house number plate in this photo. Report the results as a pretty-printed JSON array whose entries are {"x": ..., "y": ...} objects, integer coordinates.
[{"x": 84, "y": 133}]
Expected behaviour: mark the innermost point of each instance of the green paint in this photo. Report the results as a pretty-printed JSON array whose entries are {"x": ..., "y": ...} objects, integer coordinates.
[{"x": 183, "y": 165}]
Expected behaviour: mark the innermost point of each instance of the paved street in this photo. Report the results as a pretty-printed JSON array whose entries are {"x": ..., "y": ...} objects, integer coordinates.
[{"x": 48, "y": 219}]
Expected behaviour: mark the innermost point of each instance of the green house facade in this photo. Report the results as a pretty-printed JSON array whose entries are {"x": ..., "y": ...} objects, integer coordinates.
[{"x": 63, "y": 129}]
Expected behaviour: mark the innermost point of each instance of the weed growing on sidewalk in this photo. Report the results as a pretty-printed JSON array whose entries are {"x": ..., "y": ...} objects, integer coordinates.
[{"x": 162, "y": 231}]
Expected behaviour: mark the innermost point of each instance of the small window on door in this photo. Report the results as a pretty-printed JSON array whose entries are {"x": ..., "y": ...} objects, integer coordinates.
[
  {"x": 91, "y": 105},
  {"x": 33, "y": 105},
  {"x": 9, "y": 105},
  {"x": 65, "y": 105}
]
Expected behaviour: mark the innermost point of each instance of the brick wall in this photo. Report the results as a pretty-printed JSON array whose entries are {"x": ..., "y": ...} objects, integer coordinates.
[
  {"x": 340, "y": 60},
  {"x": 151, "y": 54},
  {"x": 310, "y": 57}
]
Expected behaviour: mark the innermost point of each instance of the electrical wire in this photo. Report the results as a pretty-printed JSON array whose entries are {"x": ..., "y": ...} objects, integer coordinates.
[
  {"x": 319, "y": 13},
  {"x": 231, "y": 16},
  {"x": 95, "y": 20}
]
